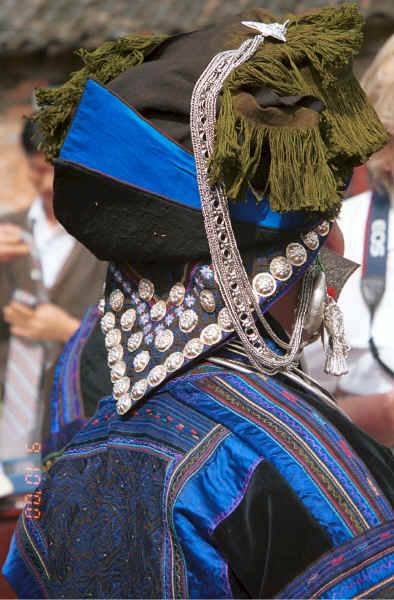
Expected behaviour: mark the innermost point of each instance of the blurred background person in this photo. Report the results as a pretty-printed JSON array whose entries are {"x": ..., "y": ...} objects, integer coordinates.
[
  {"x": 47, "y": 280},
  {"x": 366, "y": 393}
]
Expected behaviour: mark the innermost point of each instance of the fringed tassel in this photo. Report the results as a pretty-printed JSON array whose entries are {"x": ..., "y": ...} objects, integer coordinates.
[
  {"x": 301, "y": 172},
  {"x": 353, "y": 128},
  {"x": 103, "y": 64},
  {"x": 299, "y": 175},
  {"x": 337, "y": 350}
]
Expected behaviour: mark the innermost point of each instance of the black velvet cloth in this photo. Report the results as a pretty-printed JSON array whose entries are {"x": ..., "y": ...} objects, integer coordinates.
[
  {"x": 270, "y": 538},
  {"x": 161, "y": 87},
  {"x": 124, "y": 223},
  {"x": 94, "y": 374}
]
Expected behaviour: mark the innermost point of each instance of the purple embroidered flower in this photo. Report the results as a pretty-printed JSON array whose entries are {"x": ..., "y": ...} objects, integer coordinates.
[
  {"x": 140, "y": 308},
  {"x": 206, "y": 271},
  {"x": 190, "y": 300},
  {"x": 149, "y": 338},
  {"x": 179, "y": 310},
  {"x": 169, "y": 319}
]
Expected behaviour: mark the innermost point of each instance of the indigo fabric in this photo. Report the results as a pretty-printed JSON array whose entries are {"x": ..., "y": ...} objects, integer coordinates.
[
  {"x": 158, "y": 503},
  {"x": 105, "y": 121}
]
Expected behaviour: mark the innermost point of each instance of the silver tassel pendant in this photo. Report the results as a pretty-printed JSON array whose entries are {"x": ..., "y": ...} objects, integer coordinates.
[{"x": 337, "y": 348}]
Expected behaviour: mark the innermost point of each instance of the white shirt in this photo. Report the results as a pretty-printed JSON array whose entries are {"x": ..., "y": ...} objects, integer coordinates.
[
  {"x": 365, "y": 375},
  {"x": 53, "y": 243}
]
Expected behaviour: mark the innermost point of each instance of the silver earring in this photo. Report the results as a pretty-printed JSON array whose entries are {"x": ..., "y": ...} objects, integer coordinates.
[
  {"x": 324, "y": 315},
  {"x": 337, "y": 349}
]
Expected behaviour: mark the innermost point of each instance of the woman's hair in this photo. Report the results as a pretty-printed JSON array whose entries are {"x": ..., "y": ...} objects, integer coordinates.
[
  {"x": 378, "y": 83},
  {"x": 30, "y": 137}
]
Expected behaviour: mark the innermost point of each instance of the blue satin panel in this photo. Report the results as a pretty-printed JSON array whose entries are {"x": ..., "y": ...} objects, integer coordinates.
[
  {"x": 263, "y": 442},
  {"x": 109, "y": 136},
  {"x": 206, "y": 499}
]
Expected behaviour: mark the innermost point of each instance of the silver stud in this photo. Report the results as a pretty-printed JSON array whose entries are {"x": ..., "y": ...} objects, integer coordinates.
[
  {"x": 164, "y": 340},
  {"x": 112, "y": 338},
  {"x": 116, "y": 300},
  {"x": 188, "y": 320},
  {"x": 101, "y": 306},
  {"x": 280, "y": 268},
  {"x": 146, "y": 289},
  {"x": 157, "y": 375},
  {"x": 211, "y": 334},
  {"x": 225, "y": 321},
  {"x": 158, "y": 310},
  {"x": 296, "y": 254},
  {"x": 207, "y": 301},
  {"x": 121, "y": 387},
  {"x": 123, "y": 404},
  {"x": 193, "y": 348},
  {"x": 134, "y": 341},
  {"x": 139, "y": 389},
  {"x": 177, "y": 294},
  {"x": 127, "y": 320},
  {"x": 311, "y": 240},
  {"x": 115, "y": 354},
  {"x": 141, "y": 361},
  {"x": 174, "y": 362},
  {"x": 108, "y": 322},
  {"x": 118, "y": 370},
  {"x": 323, "y": 228},
  {"x": 264, "y": 284}
]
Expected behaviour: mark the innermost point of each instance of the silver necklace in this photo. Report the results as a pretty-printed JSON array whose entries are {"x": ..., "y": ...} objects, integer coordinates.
[{"x": 230, "y": 273}]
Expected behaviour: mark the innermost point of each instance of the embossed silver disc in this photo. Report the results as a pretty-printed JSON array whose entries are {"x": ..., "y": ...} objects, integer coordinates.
[
  {"x": 264, "y": 284},
  {"x": 158, "y": 310},
  {"x": 139, "y": 389},
  {"x": 115, "y": 354},
  {"x": 211, "y": 334},
  {"x": 113, "y": 338},
  {"x": 108, "y": 322},
  {"x": 323, "y": 228},
  {"x": 296, "y": 254},
  {"x": 225, "y": 321},
  {"x": 280, "y": 268},
  {"x": 118, "y": 370},
  {"x": 121, "y": 386},
  {"x": 146, "y": 289},
  {"x": 177, "y": 294},
  {"x": 193, "y": 348},
  {"x": 164, "y": 340},
  {"x": 188, "y": 320},
  {"x": 127, "y": 320},
  {"x": 141, "y": 361},
  {"x": 116, "y": 300},
  {"x": 123, "y": 404},
  {"x": 157, "y": 375},
  {"x": 207, "y": 301},
  {"x": 174, "y": 361},
  {"x": 134, "y": 341},
  {"x": 311, "y": 240}
]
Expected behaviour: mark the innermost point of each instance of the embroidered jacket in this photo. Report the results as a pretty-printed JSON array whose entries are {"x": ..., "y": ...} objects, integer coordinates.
[{"x": 219, "y": 484}]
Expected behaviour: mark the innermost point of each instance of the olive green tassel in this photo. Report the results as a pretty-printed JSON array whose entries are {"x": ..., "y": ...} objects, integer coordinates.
[
  {"x": 103, "y": 64},
  {"x": 301, "y": 165}
]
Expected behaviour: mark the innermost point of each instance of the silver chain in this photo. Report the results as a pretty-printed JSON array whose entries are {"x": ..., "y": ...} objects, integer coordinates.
[{"x": 230, "y": 273}]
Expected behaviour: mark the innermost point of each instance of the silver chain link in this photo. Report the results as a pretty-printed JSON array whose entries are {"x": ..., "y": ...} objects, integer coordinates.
[{"x": 230, "y": 273}]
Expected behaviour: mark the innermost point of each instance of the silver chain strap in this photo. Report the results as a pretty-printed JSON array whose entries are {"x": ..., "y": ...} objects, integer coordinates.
[{"x": 230, "y": 273}]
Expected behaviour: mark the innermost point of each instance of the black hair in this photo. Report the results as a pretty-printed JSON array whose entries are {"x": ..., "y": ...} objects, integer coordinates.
[{"x": 30, "y": 137}]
